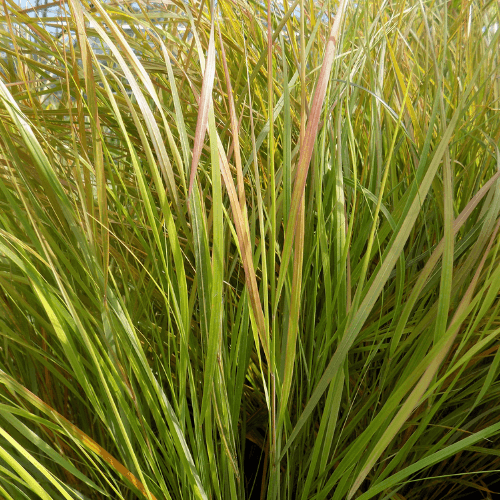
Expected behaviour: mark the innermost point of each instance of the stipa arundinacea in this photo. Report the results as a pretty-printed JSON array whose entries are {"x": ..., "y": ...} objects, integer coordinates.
[{"x": 249, "y": 250}]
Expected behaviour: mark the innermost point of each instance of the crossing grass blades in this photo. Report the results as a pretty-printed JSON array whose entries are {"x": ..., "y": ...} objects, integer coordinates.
[{"x": 249, "y": 250}]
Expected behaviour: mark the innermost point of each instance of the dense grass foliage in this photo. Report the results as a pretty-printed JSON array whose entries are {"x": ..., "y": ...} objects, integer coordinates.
[{"x": 249, "y": 250}]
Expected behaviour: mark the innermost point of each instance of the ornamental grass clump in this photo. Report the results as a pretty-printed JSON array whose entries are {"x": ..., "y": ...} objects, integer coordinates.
[{"x": 249, "y": 250}]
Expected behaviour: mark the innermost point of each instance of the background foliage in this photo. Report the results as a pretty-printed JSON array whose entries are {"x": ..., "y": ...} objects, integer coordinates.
[{"x": 249, "y": 250}]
